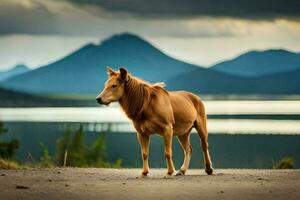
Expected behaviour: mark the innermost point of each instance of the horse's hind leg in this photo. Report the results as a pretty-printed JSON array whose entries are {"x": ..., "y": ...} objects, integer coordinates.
[
  {"x": 184, "y": 141},
  {"x": 200, "y": 126}
]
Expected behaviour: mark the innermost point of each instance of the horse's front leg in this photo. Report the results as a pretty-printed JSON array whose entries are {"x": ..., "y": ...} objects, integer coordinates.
[
  {"x": 168, "y": 135},
  {"x": 144, "y": 143}
]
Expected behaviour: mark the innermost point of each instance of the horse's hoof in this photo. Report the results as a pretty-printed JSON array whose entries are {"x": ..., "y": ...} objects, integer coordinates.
[
  {"x": 209, "y": 170},
  {"x": 180, "y": 173},
  {"x": 144, "y": 173},
  {"x": 142, "y": 176}
]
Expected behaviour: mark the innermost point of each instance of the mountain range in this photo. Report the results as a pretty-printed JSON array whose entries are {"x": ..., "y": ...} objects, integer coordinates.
[
  {"x": 286, "y": 83},
  {"x": 83, "y": 71},
  {"x": 260, "y": 63}
]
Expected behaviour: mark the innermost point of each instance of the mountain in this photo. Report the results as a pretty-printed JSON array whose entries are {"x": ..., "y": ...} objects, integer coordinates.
[
  {"x": 259, "y": 63},
  {"x": 218, "y": 83},
  {"x": 17, "y": 70},
  {"x": 84, "y": 71}
]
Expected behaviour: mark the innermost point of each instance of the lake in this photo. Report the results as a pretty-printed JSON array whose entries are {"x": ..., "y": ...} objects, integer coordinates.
[
  {"x": 243, "y": 134},
  {"x": 232, "y": 117}
]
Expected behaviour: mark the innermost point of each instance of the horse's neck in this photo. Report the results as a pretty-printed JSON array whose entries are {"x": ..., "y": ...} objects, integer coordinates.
[{"x": 133, "y": 100}]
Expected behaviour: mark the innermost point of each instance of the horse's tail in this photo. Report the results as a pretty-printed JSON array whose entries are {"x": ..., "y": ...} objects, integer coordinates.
[{"x": 199, "y": 106}]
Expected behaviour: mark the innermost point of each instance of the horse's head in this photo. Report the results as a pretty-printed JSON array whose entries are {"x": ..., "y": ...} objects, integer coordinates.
[{"x": 114, "y": 86}]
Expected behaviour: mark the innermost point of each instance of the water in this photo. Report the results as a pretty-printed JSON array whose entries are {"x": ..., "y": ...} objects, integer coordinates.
[
  {"x": 248, "y": 120},
  {"x": 227, "y": 150},
  {"x": 243, "y": 134}
]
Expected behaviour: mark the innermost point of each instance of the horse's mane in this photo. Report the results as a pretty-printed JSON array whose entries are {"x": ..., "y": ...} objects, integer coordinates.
[{"x": 137, "y": 96}]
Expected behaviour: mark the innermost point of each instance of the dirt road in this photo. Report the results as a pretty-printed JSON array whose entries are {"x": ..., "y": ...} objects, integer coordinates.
[{"x": 119, "y": 184}]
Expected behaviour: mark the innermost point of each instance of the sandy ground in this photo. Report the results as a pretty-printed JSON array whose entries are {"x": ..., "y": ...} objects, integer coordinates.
[{"x": 91, "y": 183}]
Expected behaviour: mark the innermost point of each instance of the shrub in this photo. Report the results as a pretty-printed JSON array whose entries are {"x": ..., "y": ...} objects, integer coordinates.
[
  {"x": 79, "y": 154},
  {"x": 285, "y": 163},
  {"x": 8, "y": 148},
  {"x": 46, "y": 160}
]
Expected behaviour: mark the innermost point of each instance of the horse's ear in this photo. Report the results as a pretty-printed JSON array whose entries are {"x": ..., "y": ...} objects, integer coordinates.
[
  {"x": 110, "y": 71},
  {"x": 123, "y": 73}
]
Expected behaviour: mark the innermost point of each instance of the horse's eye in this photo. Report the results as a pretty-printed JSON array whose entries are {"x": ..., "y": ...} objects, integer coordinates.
[{"x": 114, "y": 86}]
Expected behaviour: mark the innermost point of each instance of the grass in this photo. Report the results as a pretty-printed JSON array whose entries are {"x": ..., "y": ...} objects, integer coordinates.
[
  {"x": 13, "y": 165},
  {"x": 9, "y": 165}
]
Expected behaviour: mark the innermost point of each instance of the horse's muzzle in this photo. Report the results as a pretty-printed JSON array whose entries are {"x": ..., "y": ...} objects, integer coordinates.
[{"x": 99, "y": 100}]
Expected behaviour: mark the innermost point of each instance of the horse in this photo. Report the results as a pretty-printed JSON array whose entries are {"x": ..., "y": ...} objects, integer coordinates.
[{"x": 154, "y": 110}]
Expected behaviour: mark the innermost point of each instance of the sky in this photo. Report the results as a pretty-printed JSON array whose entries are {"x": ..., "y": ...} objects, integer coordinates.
[{"x": 202, "y": 32}]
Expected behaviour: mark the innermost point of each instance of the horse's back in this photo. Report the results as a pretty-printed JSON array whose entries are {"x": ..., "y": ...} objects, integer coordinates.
[
  {"x": 185, "y": 108},
  {"x": 185, "y": 97}
]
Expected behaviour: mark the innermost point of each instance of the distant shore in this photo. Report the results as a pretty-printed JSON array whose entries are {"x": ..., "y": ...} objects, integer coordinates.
[
  {"x": 12, "y": 98},
  {"x": 92, "y": 183}
]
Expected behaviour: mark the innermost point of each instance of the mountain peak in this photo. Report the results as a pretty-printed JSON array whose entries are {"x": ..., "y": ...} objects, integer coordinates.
[
  {"x": 20, "y": 67},
  {"x": 278, "y": 51},
  {"x": 16, "y": 70},
  {"x": 268, "y": 51},
  {"x": 129, "y": 44},
  {"x": 124, "y": 36},
  {"x": 124, "y": 39}
]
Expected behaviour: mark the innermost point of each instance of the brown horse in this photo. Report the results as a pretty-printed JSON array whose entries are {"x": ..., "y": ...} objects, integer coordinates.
[{"x": 152, "y": 109}]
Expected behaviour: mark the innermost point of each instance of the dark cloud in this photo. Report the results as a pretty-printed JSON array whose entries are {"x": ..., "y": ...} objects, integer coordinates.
[
  {"x": 19, "y": 19},
  {"x": 250, "y": 9},
  {"x": 171, "y": 18},
  {"x": 47, "y": 17}
]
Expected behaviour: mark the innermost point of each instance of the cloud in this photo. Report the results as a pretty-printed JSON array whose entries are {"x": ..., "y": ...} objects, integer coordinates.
[
  {"x": 47, "y": 17},
  {"x": 102, "y": 18},
  {"x": 254, "y": 9},
  {"x": 29, "y": 17},
  {"x": 199, "y": 31}
]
